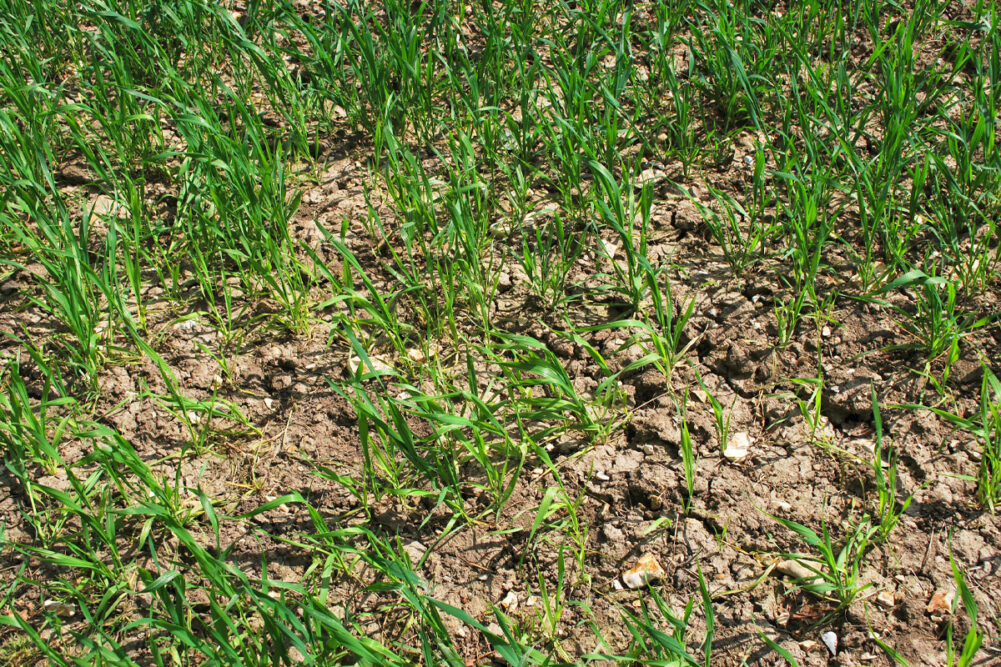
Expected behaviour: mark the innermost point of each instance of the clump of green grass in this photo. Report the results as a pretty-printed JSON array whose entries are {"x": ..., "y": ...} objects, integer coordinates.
[
  {"x": 985, "y": 425},
  {"x": 837, "y": 566},
  {"x": 890, "y": 507}
]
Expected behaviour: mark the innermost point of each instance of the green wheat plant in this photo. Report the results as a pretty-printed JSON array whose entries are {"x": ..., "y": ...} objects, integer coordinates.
[
  {"x": 967, "y": 653},
  {"x": 620, "y": 211},
  {"x": 721, "y": 416},
  {"x": 689, "y": 461},
  {"x": 653, "y": 645},
  {"x": 936, "y": 321},
  {"x": 837, "y": 565},
  {"x": 985, "y": 425},
  {"x": 890, "y": 507},
  {"x": 742, "y": 233}
]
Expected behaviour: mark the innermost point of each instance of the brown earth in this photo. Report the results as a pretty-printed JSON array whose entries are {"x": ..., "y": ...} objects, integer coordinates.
[
  {"x": 629, "y": 484},
  {"x": 631, "y": 487}
]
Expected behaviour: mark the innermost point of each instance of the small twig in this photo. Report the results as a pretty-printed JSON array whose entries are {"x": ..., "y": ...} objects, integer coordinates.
[
  {"x": 281, "y": 444},
  {"x": 929, "y": 551}
]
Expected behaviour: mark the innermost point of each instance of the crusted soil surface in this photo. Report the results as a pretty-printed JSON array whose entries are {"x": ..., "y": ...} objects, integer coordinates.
[
  {"x": 631, "y": 487},
  {"x": 807, "y": 460}
]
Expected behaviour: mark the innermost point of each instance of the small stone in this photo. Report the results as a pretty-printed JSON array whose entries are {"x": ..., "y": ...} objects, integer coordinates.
[
  {"x": 826, "y": 331},
  {"x": 831, "y": 642},
  {"x": 941, "y": 601},
  {"x": 649, "y": 175},
  {"x": 886, "y": 599},
  {"x": 796, "y": 570},
  {"x": 646, "y": 570},
  {"x": 500, "y": 231},
  {"x": 602, "y": 476},
  {"x": 415, "y": 550},
  {"x": 105, "y": 205},
  {"x": 510, "y": 602},
  {"x": 61, "y": 609},
  {"x": 378, "y": 364},
  {"x": 269, "y": 403},
  {"x": 737, "y": 446}
]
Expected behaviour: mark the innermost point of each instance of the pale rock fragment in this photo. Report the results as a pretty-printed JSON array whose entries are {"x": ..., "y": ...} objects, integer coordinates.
[
  {"x": 104, "y": 205},
  {"x": 649, "y": 175},
  {"x": 610, "y": 248},
  {"x": 415, "y": 550},
  {"x": 510, "y": 601},
  {"x": 941, "y": 601},
  {"x": 378, "y": 364},
  {"x": 796, "y": 570},
  {"x": 646, "y": 570},
  {"x": 737, "y": 446},
  {"x": 831, "y": 642},
  {"x": 59, "y": 608},
  {"x": 417, "y": 355}
]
